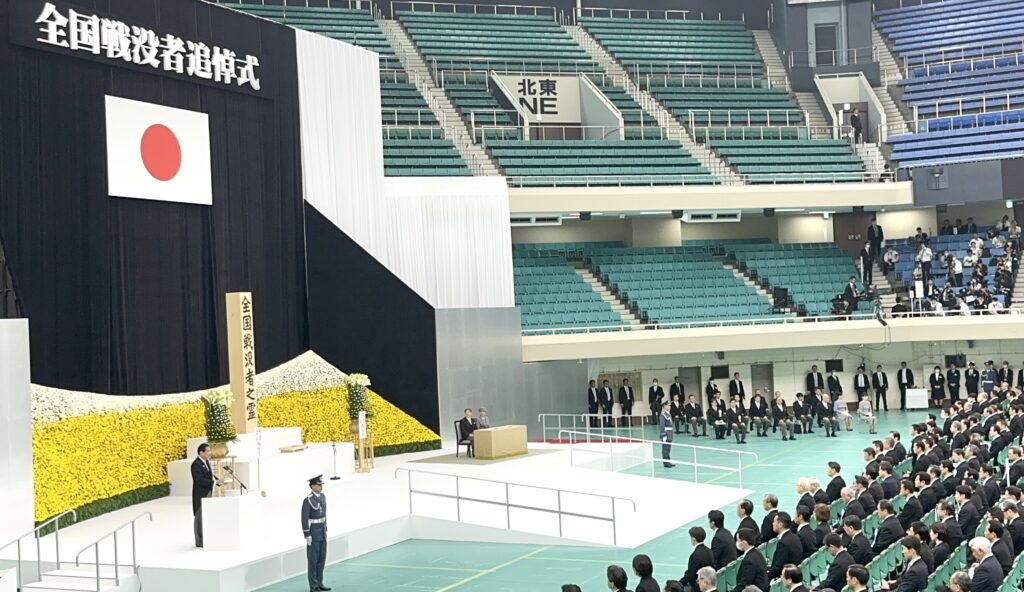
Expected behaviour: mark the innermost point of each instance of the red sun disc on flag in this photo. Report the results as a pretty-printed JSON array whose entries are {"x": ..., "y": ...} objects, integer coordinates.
[{"x": 161, "y": 152}]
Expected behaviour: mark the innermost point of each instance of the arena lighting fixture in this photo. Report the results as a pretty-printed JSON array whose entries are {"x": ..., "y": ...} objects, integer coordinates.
[{"x": 657, "y": 213}]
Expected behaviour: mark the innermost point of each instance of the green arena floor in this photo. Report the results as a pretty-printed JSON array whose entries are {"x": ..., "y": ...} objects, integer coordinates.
[{"x": 437, "y": 566}]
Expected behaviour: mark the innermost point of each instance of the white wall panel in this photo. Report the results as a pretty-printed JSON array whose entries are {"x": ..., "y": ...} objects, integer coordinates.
[{"x": 16, "y": 492}]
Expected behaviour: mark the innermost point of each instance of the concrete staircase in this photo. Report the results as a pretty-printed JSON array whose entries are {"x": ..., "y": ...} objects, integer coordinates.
[
  {"x": 887, "y": 61},
  {"x": 874, "y": 160},
  {"x": 455, "y": 128},
  {"x": 1018, "y": 302},
  {"x": 670, "y": 126},
  {"x": 751, "y": 283},
  {"x": 617, "y": 305},
  {"x": 83, "y": 579},
  {"x": 891, "y": 74},
  {"x": 885, "y": 287},
  {"x": 811, "y": 105},
  {"x": 776, "y": 72}
]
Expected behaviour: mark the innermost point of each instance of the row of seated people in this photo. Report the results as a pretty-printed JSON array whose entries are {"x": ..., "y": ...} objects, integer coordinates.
[{"x": 945, "y": 513}]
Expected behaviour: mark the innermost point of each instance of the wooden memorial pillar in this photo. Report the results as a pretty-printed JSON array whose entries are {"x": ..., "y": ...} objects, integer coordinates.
[{"x": 242, "y": 361}]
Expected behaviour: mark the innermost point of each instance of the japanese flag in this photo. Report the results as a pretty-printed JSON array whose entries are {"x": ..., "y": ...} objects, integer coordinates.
[{"x": 157, "y": 152}]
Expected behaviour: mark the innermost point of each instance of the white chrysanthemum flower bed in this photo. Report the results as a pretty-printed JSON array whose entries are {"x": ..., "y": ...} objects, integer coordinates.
[{"x": 306, "y": 372}]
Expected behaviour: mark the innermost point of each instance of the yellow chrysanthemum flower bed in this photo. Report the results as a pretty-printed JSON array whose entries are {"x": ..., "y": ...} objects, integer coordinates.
[{"x": 96, "y": 453}]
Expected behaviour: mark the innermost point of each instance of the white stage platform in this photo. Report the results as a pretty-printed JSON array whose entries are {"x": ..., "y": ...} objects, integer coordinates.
[{"x": 371, "y": 511}]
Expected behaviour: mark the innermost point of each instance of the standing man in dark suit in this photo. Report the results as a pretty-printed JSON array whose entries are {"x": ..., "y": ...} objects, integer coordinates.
[
  {"x": 861, "y": 383},
  {"x": 202, "y": 486},
  {"x": 753, "y": 570},
  {"x": 592, "y": 402},
  {"x": 677, "y": 388},
  {"x": 971, "y": 379},
  {"x": 1005, "y": 374},
  {"x": 736, "y": 387},
  {"x": 915, "y": 575},
  {"x": 880, "y": 382},
  {"x": 937, "y": 384},
  {"x": 710, "y": 389},
  {"x": 604, "y": 398},
  {"x": 655, "y": 397},
  {"x": 723, "y": 547},
  {"x": 875, "y": 238},
  {"x": 699, "y": 557},
  {"x": 835, "y": 387},
  {"x": 834, "y": 489},
  {"x": 1020, "y": 376},
  {"x": 626, "y": 399},
  {"x": 842, "y": 560},
  {"x": 953, "y": 382},
  {"x": 788, "y": 551},
  {"x": 867, "y": 257},
  {"x": 815, "y": 380},
  {"x": 905, "y": 380}
]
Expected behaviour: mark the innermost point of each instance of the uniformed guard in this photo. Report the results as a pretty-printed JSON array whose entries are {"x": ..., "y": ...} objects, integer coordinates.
[{"x": 314, "y": 527}]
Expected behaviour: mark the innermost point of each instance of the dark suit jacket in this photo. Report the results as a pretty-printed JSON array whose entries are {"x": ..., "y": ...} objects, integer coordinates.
[
  {"x": 819, "y": 533},
  {"x": 900, "y": 450},
  {"x": 699, "y": 557},
  {"x": 909, "y": 379},
  {"x": 788, "y": 550},
  {"x": 626, "y": 395},
  {"x": 860, "y": 549},
  {"x": 854, "y": 509},
  {"x": 867, "y": 501},
  {"x": 736, "y": 388},
  {"x": 1016, "y": 528},
  {"x": 835, "y": 387},
  {"x": 723, "y": 548},
  {"x": 835, "y": 579},
  {"x": 879, "y": 385},
  {"x": 807, "y": 540},
  {"x": 815, "y": 380},
  {"x": 820, "y": 497},
  {"x": 202, "y": 483},
  {"x": 654, "y": 395},
  {"x": 967, "y": 518},
  {"x": 1003, "y": 555},
  {"x": 911, "y": 512},
  {"x": 748, "y": 522},
  {"x": 937, "y": 384},
  {"x": 806, "y": 500},
  {"x": 915, "y": 578},
  {"x": 592, "y": 396},
  {"x": 677, "y": 389},
  {"x": 835, "y": 488},
  {"x": 887, "y": 533},
  {"x": 940, "y": 553},
  {"x": 767, "y": 532},
  {"x": 604, "y": 395},
  {"x": 890, "y": 486},
  {"x": 953, "y": 532},
  {"x": 988, "y": 576},
  {"x": 753, "y": 572}
]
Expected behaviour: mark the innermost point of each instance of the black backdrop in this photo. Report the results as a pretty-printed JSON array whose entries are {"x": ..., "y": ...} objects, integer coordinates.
[
  {"x": 391, "y": 331},
  {"x": 126, "y": 296}
]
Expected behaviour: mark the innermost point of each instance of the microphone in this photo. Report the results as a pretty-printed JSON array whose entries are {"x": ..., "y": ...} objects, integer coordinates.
[{"x": 232, "y": 473}]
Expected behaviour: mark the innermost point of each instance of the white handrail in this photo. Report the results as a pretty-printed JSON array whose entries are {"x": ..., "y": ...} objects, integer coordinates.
[
  {"x": 55, "y": 521},
  {"x": 113, "y": 533},
  {"x": 509, "y": 506},
  {"x": 614, "y": 439},
  {"x": 584, "y": 422}
]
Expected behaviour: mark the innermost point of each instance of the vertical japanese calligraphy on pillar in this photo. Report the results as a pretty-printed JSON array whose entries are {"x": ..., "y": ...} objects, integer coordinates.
[{"x": 242, "y": 361}]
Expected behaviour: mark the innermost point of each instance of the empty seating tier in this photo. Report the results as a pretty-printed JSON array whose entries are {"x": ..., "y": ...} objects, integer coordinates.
[
  {"x": 791, "y": 161},
  {"x": 953, "y": 29},
  {"x": 511, "y": 43},
  {"x": 551, "y": 294},
  {"x": 597, "y": 162},
  {"x": 423, "y": 157},
  {"x": 346, "y": 24},
  {"x": 814, "y": 273},
  {"x": 653, "y": 46},
  {"x": 727, "y": 106},
  {"x": 960, "y": 145},
  {"x": 677, "y": 284}
]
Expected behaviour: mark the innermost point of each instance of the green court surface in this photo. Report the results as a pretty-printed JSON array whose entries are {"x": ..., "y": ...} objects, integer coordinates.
[{"x": 439, "y": 566}]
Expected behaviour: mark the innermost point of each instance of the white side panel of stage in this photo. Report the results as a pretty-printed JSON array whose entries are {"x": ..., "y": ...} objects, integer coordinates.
[
  {"x": 446, "y": 238},
  {"x": 17, "y": 494}
]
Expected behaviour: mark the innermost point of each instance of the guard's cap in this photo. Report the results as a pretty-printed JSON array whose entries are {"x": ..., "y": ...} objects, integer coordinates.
[{"x": 318, "y": 480}]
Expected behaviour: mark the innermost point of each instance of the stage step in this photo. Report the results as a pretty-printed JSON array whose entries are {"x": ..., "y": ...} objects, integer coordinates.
[{"x": 128, "y": 583}]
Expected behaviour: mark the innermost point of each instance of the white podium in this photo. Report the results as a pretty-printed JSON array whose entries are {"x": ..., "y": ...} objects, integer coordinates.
[
  {"x": 232, "y": 522},
  {"x": 917, "y": 398}
]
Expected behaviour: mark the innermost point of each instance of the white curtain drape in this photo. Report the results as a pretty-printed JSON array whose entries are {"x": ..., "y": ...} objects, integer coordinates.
[{"x": 447, "y": 238}]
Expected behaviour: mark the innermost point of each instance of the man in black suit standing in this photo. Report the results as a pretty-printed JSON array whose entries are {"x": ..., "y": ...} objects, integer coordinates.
[
  {"x": 753, "y": 570},
  {"x": 202, "y": 486},
  {"x": 953, "y": 382},
  {"x": 861, "y": 382},
  {"x": 604, "y": 398},
  {"x": 841, "y": 561},
  {"x": 815, "y": 380},
  {"x": 788, "y": 551},
  {"x": 835, "y": 387},
  {"x": 677, "y": 388},
  {"x": 723, "y": 547},
  {"x": 880, "y": 382},
  {"x": 971, "y": 379},
  {"x": 937, "y": 385},
  {"x": 699, "y": 557},
  {"x": 710, "y": 389},
  {"x": 1005, "y": 374},
  {"x": 834, "y": 489},
  {"x": 915, "y": 574},
  {"x": 736, "y": 388},
  {"x": 626, "y": 399},
  {"x": 905, "y": 380},
  {"x": 875, "y": 238},
  {"x": 867, "y": 257},
  {"x": 655, "y": 397},
  {"x": 592, "y": 402}
]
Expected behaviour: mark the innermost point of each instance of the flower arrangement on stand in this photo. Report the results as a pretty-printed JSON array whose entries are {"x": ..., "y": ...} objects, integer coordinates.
[
  {"x": 219, "y": 429},
  {"x": 358, "y": 398}
]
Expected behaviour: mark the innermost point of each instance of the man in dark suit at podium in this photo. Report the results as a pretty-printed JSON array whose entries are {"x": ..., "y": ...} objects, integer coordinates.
[{"x": 202, "y": 486}]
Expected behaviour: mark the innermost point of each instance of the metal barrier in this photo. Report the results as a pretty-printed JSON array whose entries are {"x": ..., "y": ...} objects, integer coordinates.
[
  {"x": 990, "y": 102},
  {"x": 507, "y": 503},
  {"x": 95, "y": 546},
  {"x": 947, "y": 54},
  {"x": 613, "y": 439},
  {"x": 55, "y": 521},
  {"x": 443, "y": 7},
  {"x": 583, "y": 422},
  {"x": 833, "y": 57}
]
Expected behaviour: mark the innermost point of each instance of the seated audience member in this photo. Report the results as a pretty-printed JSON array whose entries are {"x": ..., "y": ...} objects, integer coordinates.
[
  {"x": 843, "y": 414},
  {"x": 468, "y": 425},
  {"x": 617, "y": 579},
  {"x": 915, "y": 573},
  {"x": 857, "y": 578},
  {"x": 793, "y": 578},
  {"x": 986, "y": 574},
  {"x": 866, "y": 413},
  {"x": 707, "y": 579},
  {"x": 673, "y": 586},
  {"x": 753, "y": 569},
  {"x": 835, "y": 577},
  {"x": 700, "y": 558},
  {"x": 891, "y": 258},
  {"x": 899, "y": 309}
]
